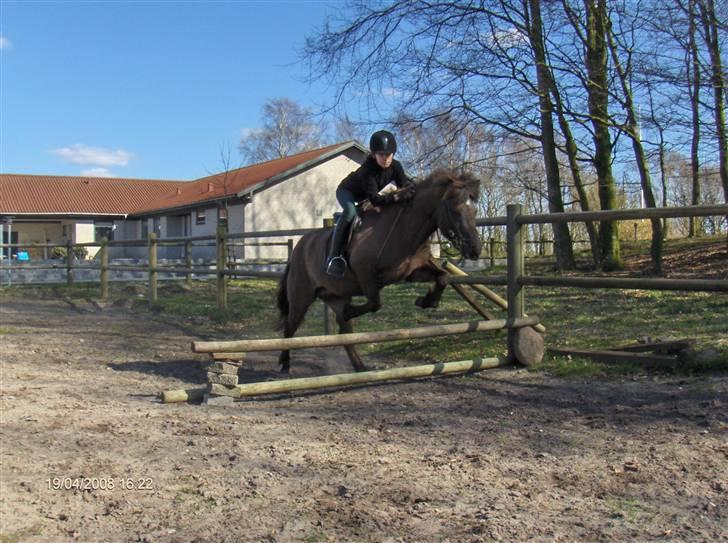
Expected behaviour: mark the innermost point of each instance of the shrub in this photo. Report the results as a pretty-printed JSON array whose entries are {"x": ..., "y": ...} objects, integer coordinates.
[{"x": 79, "y": 253}]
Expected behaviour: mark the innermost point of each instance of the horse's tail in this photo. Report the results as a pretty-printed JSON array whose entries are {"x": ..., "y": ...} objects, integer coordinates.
[{"x": 282, "y": 299}]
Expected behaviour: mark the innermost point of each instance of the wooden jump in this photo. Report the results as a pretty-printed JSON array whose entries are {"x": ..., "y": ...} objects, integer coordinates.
[
  {"x": 277, "y": 344},
  {"x": 343, "y": 379}
]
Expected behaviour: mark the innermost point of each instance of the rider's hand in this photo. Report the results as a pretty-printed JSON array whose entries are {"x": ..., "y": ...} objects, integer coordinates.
[
  {"x": 404, "y": 194},
  {"x": 367, "y": 206}
]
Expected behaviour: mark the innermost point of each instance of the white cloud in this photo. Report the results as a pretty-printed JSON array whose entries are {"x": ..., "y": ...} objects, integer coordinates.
[
  {"x": 5, "y": 43},
  {"x": 391, "y": 92},
  {"x": 93, "y": 156},
  {"x": 97, "y": 172}
]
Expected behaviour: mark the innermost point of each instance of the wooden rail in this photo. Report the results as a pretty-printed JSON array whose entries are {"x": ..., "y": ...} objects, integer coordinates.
[
  {"x": 277, "y": 344},
  {"x": 343, "y": 379}
]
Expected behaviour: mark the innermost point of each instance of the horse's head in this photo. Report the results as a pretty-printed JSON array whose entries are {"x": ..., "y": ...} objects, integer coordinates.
[{"x": 455, "y": 213}]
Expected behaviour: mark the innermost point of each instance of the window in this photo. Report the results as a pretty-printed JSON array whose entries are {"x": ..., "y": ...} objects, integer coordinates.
[
  {"x": 145, "y": 229},
  {"x": 103, "y": 230},
  {"x": 200, "y": 216}
]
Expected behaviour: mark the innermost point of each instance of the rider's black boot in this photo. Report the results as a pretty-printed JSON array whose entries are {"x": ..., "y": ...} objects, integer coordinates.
[{"x": 335, "y": 262}]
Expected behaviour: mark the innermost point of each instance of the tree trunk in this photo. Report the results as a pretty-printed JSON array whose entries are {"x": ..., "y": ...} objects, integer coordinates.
[
  {"x": 663, "y": 179},
  {"x": 633, "y": 131},
  {"x": 694, "y": 93},
  {"x": 710, "y": 24},
  {"x": 571, "y": 153},
  {"x": 563, "y": 249},
  {"x": 597, "y": 89}
]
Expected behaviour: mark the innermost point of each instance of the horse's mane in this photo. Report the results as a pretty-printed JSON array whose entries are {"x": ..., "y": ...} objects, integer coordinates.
[{"x": 459, "y": 180}]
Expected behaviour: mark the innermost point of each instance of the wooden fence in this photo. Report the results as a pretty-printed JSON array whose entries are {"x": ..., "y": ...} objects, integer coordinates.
[{"x": 515, "y": 279}]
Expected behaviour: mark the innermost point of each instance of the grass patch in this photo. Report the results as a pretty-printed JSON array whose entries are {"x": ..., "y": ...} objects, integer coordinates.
[
  {"x": 629, "y": 508},
  {"x": 595, "y": 319},
  {"x": 7, "y": 330}
]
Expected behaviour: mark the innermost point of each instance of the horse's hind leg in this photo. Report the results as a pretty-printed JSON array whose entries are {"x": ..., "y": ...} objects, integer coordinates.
[
  {"x": 345, "y": 327},
  {"x": 297, "y": 311}
]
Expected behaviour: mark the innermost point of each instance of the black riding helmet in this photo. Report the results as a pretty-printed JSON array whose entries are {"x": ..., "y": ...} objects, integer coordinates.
[{"x": 383, "y": 142}]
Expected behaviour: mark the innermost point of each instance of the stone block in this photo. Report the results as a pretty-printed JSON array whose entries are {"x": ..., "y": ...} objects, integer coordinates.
[
  {"x": 222, "y": 378},
  {"x": 223, "y": 390},
  {"x": 224, "y": 367}
]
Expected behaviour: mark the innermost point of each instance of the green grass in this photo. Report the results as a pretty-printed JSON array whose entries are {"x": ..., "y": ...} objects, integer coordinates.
[
  {"x": 578, "y": 318},
  {"x": 596, "y": 319}
]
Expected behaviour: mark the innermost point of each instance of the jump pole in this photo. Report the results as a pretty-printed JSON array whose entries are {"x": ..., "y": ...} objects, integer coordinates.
[
  {"x": 344, "y": 379},
  {"x": 277, "y": 344}
]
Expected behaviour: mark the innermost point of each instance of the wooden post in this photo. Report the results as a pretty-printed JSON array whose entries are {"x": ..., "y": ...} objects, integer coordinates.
[
  {"x": 515, "y": 297},
  {"x": 220, "y": 267},
  {"x": 69, "y": 262},
  {"x": 152, "y": 293},
  {"x": 491, "y": 243},
  {"x": 485, "y": 291},
  {"x": 290, "y": 248},
  {"x": 188, "y": 262},
  {"x": 104, "y": 275},
  {"x": 343, "y": 379}
]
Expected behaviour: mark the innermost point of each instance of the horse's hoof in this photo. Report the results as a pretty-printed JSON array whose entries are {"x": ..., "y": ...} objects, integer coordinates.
[
  {"x": 425, "y": 303},
  {"x": 285, "y": 370}
]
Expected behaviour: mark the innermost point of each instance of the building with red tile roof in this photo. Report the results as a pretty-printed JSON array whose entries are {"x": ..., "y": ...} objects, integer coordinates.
[{"x": 291, "y": 192}]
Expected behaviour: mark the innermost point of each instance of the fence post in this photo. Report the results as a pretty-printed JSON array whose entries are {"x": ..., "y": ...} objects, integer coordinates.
[
  {"x": 290, "y": 248},
  {"x": 220, "y": 243},
  {"x": 188, "y": 262},
  {"x": 104, "y": 275},
  {"x": 491, "y": 245},
  {"x": 69, "y": 262},
  {"x": 515, "y": 268},
  {"x": 152, "y": 294}
]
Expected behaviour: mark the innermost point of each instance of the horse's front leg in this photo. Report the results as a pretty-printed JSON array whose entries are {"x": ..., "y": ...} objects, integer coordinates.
[
  {"x": 345, "y": 327},
  {"x": 370, "y": 288},
  {"x": 372, "y": 305},
  {"x": 434, "y": 293}
]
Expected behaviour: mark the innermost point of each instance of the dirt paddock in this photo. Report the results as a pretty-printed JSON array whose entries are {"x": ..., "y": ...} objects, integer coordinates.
[{"x": 89, "y": 454}]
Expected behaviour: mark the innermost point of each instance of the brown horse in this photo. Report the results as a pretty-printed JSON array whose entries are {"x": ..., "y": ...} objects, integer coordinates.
[{"x": 389, "y": 246}]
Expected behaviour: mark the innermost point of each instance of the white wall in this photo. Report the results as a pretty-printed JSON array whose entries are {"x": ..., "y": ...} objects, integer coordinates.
[
  {"x": 84, "y": 232},
  {"x": 302, "y": 201}
]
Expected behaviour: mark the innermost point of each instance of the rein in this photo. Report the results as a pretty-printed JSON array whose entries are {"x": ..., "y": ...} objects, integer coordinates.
[{"x": 389, "y": 234}]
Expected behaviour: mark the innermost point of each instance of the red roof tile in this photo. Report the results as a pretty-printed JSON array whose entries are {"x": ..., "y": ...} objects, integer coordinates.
[
  {"x": 40, "y": 194},
  {"x": 43, "y": 194},
  {"x": 233, "y": 182}
]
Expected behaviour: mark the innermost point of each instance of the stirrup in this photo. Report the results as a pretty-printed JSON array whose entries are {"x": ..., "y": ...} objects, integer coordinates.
[{"x": 336, "y": 266}]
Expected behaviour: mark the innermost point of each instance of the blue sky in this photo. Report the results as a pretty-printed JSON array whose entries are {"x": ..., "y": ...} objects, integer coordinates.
[{"x": 144, "y": 89}]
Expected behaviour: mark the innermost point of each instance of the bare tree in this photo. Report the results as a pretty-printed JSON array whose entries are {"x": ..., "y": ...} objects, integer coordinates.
[
  {"x": 470, "y": 65},
  {"x": 709, "y": 20},
  {"x": 591, "y": 26},
  {"x": 621, "y": 46},
  {"x": 345, "y": 129},
  {"x": 287, "y": 128}
]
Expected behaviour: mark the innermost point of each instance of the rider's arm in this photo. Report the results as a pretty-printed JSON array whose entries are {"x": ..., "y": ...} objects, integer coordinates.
[
  {"x": 401, "y": 178},
  {"x": 372, "y": 192}
]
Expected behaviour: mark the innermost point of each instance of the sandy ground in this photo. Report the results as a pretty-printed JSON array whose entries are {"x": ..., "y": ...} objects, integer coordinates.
[{"x": 506, "y": 455}]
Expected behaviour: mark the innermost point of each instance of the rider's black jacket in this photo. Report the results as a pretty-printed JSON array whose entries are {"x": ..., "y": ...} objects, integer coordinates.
[{"x": 366, "y": 181}]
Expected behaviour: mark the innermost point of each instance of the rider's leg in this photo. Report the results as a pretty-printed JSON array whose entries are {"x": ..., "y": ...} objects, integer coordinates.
[{"x": 335, "y": 262}]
